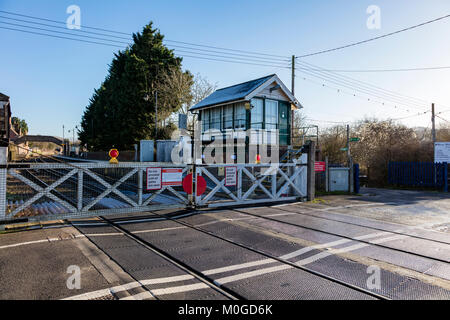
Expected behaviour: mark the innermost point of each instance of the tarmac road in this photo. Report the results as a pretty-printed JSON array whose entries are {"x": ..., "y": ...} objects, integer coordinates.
[{"x": 385, "y": 244}]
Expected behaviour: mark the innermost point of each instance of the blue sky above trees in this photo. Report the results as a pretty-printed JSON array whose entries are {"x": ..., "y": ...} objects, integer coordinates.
[{"x": 50, "y": 80}]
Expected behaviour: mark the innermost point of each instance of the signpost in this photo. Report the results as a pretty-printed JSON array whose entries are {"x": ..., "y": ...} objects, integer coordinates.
[
  {"x": 320, "y": 166},
  {"x": 230, "y": 176},
  {"x": 172, "y": 177},
  {"x": 154, "y": 179},
  {"x": 442, "y": 152}
]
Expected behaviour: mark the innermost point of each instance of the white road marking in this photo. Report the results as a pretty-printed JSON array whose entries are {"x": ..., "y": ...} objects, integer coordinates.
[
  {"x": 251, "y": 274},
  {"x": 157, "y": 230},
  {"x": 239, "y": 266},
  {"x": 241, "y": 276},
  {"x": 103, "y": 234},
  {"x": 23, "y": 244},
  {"x": 128, "y": 286}
]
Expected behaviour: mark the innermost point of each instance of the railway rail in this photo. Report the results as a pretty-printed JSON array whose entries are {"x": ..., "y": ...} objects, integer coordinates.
[
  {"x": 263, "y": 254},
  {"x": 342, "y": 235}
]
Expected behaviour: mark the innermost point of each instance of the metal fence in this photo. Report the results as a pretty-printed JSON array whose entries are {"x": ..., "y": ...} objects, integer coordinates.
[
  {"x": 252, "y": 184},
  {"x": 52, "y": 191},
  {"x": 419, "y": 174},
  {"x": 45, "y": 191}
]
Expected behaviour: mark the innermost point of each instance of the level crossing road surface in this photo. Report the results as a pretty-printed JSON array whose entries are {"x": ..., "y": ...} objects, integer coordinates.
[{"x": 385, "y": 244}]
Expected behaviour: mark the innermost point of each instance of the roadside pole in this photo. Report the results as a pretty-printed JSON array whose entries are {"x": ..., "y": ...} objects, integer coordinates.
[
  {"x": 433, "y": 132},
  {"x": 3, "y": 176},
  {"x": 311, "y": 171},
  {"x": 350, "y": 163},
  {"x": 327, "y": 176}
]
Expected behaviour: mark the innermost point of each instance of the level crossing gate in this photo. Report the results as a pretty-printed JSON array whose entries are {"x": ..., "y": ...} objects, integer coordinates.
[{"x": 53, "y": 191}]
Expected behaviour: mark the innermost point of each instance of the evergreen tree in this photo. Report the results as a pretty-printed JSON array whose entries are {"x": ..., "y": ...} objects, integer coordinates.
[{"x": 122, "y": 111}]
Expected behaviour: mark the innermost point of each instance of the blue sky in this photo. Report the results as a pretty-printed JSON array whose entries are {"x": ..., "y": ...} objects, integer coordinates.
[{"x": 51, "y": 80}]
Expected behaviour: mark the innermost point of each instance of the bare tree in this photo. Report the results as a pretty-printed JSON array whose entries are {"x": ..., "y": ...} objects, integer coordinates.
[
  {"x": 174, "y": 90},
  {"x": 201, "y": 89}
]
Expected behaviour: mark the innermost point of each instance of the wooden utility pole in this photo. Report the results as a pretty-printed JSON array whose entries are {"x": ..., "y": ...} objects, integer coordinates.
[
  {"x": 350, "y": 162},
  {"x": 156, "y": 115},
  {"x": 293, "y": 75},
  {"x": 433, "y": 122},
  {"x": 293, "y": 93},
  {"x": 348, "y": 144}
]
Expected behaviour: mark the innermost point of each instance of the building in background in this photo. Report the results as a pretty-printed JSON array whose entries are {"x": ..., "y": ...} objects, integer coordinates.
[{"x": 254, "y": 111}]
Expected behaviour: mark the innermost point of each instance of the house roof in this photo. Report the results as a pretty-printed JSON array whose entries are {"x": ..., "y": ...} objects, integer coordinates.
[
  {"x": 238, "y": 92},
  {"x": 3, "y": 97}
]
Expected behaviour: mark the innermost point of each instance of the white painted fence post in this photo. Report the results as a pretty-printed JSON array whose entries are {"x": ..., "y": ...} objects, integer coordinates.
[
  {"x": 3, "y": 176},
  {"x": 140, "y": 185},
  {"x": 80, "y": 191}
]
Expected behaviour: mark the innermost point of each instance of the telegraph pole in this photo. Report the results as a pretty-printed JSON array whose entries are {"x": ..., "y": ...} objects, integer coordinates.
[
  {"x": 64, "y": 143},
  {"x": 350, "y": 162},
  {"x": 433, "y": 132},
  {"x": 293, "y": 75},
  {"x": 433, "y": 121},
  {"x": 293, "y": 93},
  {"x": 348, "y": 144},
  {"x": 156, "y": 115}
]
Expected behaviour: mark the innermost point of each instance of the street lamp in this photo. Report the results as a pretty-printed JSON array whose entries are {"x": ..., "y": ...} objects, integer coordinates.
[{"x": 147, "y": 98}]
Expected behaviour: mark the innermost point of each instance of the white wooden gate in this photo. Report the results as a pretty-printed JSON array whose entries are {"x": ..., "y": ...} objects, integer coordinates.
[
  {"x": 52, "y": 191},
  {"x": 49, "y": 191},
  {"x": 253, "y": 184}
]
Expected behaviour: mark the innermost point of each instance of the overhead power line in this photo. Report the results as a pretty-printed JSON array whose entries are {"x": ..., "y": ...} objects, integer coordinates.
[
  {"x": 61, "y": 37},
  {"x": 373, "y": 39},
  {"x": 383, "y": 70},
  {"x": 361, "y": 84},
  {"x": 198, "y": 55},
  {"x": 358, "y": 96},
  {"x": 442, "y": 119},
  {"x": 371, "y": 96},
  {"x": 129, "y": 34},
  {"x": 243, "y": 59}
]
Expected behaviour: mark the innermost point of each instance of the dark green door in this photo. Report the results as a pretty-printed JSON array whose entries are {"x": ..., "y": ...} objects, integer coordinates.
[{"x": 283, "y": 122}]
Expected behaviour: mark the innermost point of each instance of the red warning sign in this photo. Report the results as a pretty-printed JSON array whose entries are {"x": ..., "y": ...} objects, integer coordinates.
[
  {"x": 320, "y": 166},
  {"x": 172, "y": 177},
  {"x": 201, "y": 184}
]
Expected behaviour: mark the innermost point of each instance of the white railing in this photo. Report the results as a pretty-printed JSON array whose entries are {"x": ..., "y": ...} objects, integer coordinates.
[
  {"x": 253, "y": 184},
  {"x": 52, "y": 191},
  {"x": 44, "y": 191}
]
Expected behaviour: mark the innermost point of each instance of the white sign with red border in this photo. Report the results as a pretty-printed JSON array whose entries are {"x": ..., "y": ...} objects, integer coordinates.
[
  {"x": 230, "y": 176},
  {"x": 154, "y": 178},
  {"x": 172, "y": 177}
]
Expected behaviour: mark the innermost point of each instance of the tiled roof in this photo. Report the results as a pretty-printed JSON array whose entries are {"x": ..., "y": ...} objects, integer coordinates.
[{"x": 230, "y": 94}]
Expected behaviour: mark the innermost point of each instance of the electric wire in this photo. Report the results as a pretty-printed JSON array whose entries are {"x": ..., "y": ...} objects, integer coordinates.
[{"x": 373, "y": 39}]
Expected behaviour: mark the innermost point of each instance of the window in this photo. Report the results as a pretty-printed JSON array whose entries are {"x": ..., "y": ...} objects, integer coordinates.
[
  {"x": 228, "y": 117},
  {"x": 205, "y": 120},
  {"x": 271, "y": 114},
  {"x": 257, "y": 113},
  {"x": 239, "y": 116},
  {"x": 216, "y": 118}
]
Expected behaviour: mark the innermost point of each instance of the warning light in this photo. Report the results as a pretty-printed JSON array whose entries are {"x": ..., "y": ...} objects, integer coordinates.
[
  {"x": 114, "y": 153},
  {"x": 258, "y": 159}
]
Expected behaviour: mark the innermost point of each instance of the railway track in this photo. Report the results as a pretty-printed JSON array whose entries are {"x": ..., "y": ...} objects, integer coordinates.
[
  {"x": 342, "y": 235},
  {"x": 208, "y": 281},
  {"x": 362, "y": 225},
  {"x": 284, "y": 262}
]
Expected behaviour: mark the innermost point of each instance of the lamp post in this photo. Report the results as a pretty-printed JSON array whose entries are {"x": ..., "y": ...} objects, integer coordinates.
[
  {"x": 147, "y": 98},
  {"x": 64, "y": 143}
]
